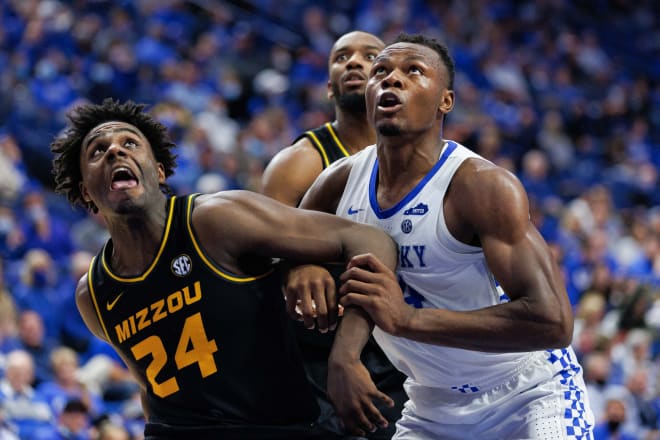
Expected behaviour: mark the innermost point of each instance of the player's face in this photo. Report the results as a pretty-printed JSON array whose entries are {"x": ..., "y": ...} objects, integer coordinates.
[
  {"x": 407, "y": 90},
  {"x": 118, "y": 167},
  {"x": 349, "y": 63}
]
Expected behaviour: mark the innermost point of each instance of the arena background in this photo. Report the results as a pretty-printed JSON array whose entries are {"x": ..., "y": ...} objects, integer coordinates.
[{"x": 566, "y": 94}]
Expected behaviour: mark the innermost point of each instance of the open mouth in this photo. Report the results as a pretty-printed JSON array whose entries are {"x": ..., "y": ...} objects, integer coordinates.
[
  {"x": 123, "y": 178},
  {"x": 388, "y": 100}
]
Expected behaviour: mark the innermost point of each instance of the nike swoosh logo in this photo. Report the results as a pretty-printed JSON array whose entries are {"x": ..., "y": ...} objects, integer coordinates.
[
  {"x": 352, "y": 211},
  {"x": 110, "y": 305}
]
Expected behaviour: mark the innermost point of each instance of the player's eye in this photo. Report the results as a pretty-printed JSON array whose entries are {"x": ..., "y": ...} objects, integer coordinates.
[{"x": 98, "y": 149}]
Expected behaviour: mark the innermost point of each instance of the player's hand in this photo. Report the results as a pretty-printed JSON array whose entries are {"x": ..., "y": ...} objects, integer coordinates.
[
  {"x": 311, "y": 297},
  {"x": 352, "y": 393},
  {"x": 369, "y": 284}
]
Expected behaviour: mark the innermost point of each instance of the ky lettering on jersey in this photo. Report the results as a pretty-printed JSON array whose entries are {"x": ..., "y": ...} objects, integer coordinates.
[{"x": 411, "y": 260}]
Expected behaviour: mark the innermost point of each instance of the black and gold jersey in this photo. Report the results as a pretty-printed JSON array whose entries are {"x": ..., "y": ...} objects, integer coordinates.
[
  {"x": 326, "y": 142},
  {"x": 210, "y": 347}
]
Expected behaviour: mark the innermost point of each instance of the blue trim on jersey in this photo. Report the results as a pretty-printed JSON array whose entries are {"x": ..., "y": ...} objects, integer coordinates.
[{"x": 382, "y": 214}]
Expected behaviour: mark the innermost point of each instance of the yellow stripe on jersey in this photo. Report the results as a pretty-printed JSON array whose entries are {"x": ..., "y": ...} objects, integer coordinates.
[
  {"x": 326, "y": 161},
  {"x": 166, "y": 235},
  {"x": 336, "y": 138}
]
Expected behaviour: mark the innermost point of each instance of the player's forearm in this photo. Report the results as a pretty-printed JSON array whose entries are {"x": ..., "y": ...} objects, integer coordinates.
[
  {"x": 352, "y": 335},
  {"x": 368, "y": 239},
  {"x": 507, "y": 327}
]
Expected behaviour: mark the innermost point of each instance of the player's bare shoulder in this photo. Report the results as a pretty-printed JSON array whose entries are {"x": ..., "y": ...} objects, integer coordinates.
[
  {"x": 481, "y": 190},
  {"x": 480, "y": 178},
  {"x": 214, "y": 207},
  {"x": 291, "y": 171},
  {"x": 230, "y": 224},
  {"x": 300, "y": 153}
]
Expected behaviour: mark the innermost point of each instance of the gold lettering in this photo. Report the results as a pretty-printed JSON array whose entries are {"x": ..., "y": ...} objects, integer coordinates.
[
  {"x": 198, "y": 293},
  {"x": 123, "y": 331},
  {"x": 158, "y": 307},
  {"x": 158, "y": 310},
  {"x": 143, "y": 322},
  {"x": 174, "y": 302}
]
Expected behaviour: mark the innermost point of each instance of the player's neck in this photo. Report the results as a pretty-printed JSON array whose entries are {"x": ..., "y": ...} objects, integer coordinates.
[
  {"x": 136, "y": 241},
  {"x": 354, "y": 131},
  {"x": 403, "y": 161}
]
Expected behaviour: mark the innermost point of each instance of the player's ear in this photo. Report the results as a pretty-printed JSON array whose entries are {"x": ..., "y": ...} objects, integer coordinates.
[
  {"x": 84, "y": 193},
  {"x": 161, "y": 173},
  {"x": 446, "y": 102},
  {"x": 331, "y": 95}
]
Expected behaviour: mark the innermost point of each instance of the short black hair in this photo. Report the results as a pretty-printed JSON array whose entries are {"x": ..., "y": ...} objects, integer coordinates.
[
  {"x": 434, "y": 44},
  {"x": 75, "y": 406},
  {"x": 82, "y": 119}
]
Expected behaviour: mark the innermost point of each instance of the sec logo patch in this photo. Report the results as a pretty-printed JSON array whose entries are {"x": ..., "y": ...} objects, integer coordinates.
[{"x": 181, "y": 265}]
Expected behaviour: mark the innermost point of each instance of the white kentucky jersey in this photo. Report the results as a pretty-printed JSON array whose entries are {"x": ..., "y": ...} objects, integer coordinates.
[{"x": 435, "y": 271}]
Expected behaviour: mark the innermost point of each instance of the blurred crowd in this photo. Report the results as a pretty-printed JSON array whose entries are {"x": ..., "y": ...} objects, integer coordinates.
[{"x": 565, "y": 94}]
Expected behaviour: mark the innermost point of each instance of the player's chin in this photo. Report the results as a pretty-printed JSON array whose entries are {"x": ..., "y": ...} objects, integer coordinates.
[{"x": 388, "y": 128}]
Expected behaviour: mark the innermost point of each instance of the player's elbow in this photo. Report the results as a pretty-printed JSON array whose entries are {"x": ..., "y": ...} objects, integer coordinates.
[
  {"x": 560, "y": 331},
  {"x": 567, "y": 330},
  {"x": 552, "y": 323}
]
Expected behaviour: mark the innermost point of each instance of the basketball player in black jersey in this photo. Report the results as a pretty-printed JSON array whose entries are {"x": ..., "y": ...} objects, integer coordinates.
[
  {"x": 185, "y": 290},
  {"x": 293, "y": 170}
]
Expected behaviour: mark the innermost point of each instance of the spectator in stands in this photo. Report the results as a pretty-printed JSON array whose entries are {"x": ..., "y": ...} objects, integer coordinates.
[
  {"x": 23, "y": 407},
  {"x": 641, "y": 407},
  {"x": 43, "y": 230},
  {"x": 66, "y": 386},
  {"x": 74, "y": 422},
  {"x": 39, "y": 291},
  {"x": 33, "y": 339},
  {"x": 587, "y": 333},
  {"x": 612, "y": 427}
]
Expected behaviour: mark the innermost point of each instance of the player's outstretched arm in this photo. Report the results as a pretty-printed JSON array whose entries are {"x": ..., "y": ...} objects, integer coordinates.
[
  {"x": 235, "y": 225},
  {"x": 249, "y": 227}
]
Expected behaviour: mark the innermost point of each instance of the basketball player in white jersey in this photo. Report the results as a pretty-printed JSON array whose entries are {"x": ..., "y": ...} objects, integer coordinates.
[{"x": 477, "y": 316}]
